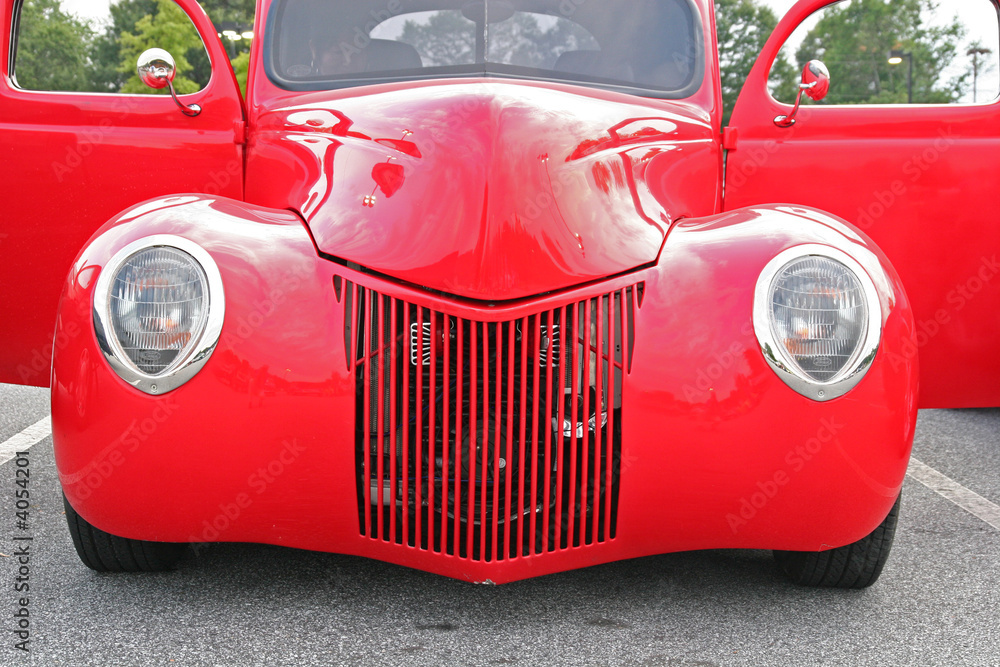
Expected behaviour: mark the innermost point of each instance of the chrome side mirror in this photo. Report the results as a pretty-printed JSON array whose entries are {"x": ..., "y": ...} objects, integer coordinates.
[
  {"x": 156, "y": 69},
  {"x": 815, "y": 84}
]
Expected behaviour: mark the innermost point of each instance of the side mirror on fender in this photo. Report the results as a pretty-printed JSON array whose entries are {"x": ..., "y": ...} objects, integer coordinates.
[{"x": 815, "y": 84}]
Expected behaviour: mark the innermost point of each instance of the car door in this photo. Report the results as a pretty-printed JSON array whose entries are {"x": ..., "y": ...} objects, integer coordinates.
[
  {"x": 920, "y": 180},
  {"x": 70, "y": 161}
]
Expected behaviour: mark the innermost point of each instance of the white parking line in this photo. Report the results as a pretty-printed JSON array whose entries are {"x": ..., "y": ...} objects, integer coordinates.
[
  {"x": 34, "y": 434},
  {"x": 970, "y": 501}
]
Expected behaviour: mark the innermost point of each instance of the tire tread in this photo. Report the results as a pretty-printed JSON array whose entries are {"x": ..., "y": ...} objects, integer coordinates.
[
  {"x": 856, "y": 565},
  {"x": 104, "y": 552}
]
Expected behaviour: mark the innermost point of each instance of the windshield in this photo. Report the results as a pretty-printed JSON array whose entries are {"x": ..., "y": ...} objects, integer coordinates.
[{"x": 654, "y": 46}]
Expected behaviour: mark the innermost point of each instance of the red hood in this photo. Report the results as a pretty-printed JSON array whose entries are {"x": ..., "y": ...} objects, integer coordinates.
[{"x": 487, "y": 190}]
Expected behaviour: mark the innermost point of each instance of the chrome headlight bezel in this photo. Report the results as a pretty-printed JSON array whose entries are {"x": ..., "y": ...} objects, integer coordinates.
[
  {"x": 778, "y": 356},
  {"x": 195, "y": 354}
]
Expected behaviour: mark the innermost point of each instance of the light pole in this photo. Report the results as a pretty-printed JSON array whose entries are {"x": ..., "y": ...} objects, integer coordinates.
[
  {"x": 896, "y": 57},
  {"x": 975, "y": 51},
  {"x": 232, "y": 33}
]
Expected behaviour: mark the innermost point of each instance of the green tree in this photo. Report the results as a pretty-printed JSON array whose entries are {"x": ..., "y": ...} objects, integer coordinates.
[
  {"x": 854, "y": 40},
  {"x": 450, "y": 39},
  {"x": 239, "y": 13},
  {"x": 108, "y": 56},
  {"x": 170, "y": 29},
  {"x": 52, "y": 50},
  {"x": 446, "y": 39},
  {"x": 57, "y": 51},
  {"x": 241, "y": 66},
  {"x": 106, "y": 51},
  {"x": 743, "y": 27},
  {"x": 520, "y": 40}
]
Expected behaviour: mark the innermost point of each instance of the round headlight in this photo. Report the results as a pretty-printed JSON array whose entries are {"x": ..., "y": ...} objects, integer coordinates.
[
  {"x": 158, "y": 310},
  {"x": 818, "y": 320}
]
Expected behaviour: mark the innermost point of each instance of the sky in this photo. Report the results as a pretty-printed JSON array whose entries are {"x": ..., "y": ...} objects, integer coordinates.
[
  {"x": 90, "y": 9},
  {"x": 979, "y": 19},
  {"x": 985, "y": 30}
]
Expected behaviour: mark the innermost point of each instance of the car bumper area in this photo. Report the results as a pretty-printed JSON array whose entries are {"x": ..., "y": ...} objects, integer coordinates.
[{"x": 344, "y": 412}]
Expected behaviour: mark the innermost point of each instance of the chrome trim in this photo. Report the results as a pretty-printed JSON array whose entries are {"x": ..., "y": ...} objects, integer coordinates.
[
  {"x": 156, "y": 69},
  {"x": 816, "y": 89},
  {"x": 196, "y": 354},
  {"x": 778, "y": 357}
]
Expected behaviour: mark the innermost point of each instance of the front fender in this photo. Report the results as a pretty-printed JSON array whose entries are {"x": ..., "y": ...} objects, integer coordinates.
[
  {"x": 235, "y": 423},
  {"x": 722, "y": 451},
  {"x": 259, "y": 446}
]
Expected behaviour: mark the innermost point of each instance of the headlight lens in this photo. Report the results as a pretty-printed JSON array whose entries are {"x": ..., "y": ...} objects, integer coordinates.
[
  {"x": 159, "y": 305},
  {"x": 158, "y": 310},
  {"x": 818, "y": 320},
  {"x": 819, "y": 315}
]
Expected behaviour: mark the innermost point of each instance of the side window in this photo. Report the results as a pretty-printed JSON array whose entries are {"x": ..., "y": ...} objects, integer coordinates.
[
  {"x": 742, "y": 28},
  {"x": 72, "y": 46},
  {"x": 900, "y": 52}
]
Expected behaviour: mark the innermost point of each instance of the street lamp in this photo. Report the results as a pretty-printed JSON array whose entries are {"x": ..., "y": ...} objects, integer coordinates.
[
  {"x": 895, "y": 58},
  {"x": 232, "y": 33},
  {"x": 976, "y": 50}
]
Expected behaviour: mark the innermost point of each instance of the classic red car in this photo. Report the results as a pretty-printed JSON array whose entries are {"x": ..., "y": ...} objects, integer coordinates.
[{"x": 487, "y": 311}]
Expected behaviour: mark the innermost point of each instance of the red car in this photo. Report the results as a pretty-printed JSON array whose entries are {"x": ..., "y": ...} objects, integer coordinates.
[{"x": 487, "y": 310}]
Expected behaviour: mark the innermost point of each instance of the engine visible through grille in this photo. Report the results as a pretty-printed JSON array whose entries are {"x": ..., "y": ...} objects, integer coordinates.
[{"x": 488, "y": 440}]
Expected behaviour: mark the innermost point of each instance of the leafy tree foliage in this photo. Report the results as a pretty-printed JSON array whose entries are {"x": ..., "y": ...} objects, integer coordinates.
[
  {"x": 446, "y": 39},
  {"x": 52, "y": 49},
  {"x": 743, "y": 27},
  {"x": 241, "y": 66},
  {"x": 170, "y": 29},
  {"x": 854, "y": 40},
  {"x": 522, "y": 41},
  {"x": 226, "y": 12},
  {"x": 57, "y": 51},
  {"x": 449, "y": 39},
  {"x": 106, "y": 53}
]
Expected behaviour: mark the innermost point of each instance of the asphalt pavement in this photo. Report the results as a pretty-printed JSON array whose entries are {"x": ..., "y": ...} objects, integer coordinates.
[{"x": 937, "y": 602}]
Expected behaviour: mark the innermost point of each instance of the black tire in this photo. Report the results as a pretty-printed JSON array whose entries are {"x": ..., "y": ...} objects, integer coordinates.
[
  {"x": 856, "y": 565},
  {"x": 105, "y": 552}
]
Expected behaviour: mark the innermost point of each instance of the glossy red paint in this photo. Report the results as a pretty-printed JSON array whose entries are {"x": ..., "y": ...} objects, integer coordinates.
[
  {"x": 71, "y": 161},
  {"x": 245, "y": 450},
  {"x": 443, "y": 194},
  {"x": 913, "y": 179},
  {"x": 487, "y": 190},
  {"x": 264, "y": 95},
  {"x": 501, "y": 190}
]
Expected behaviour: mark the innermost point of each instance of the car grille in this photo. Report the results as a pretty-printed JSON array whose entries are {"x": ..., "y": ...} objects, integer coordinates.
[{"x": 459, "y": 448}]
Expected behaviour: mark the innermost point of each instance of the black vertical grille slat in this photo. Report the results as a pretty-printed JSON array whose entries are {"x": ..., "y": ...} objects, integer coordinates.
[{"x": 488, "y": 440}]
